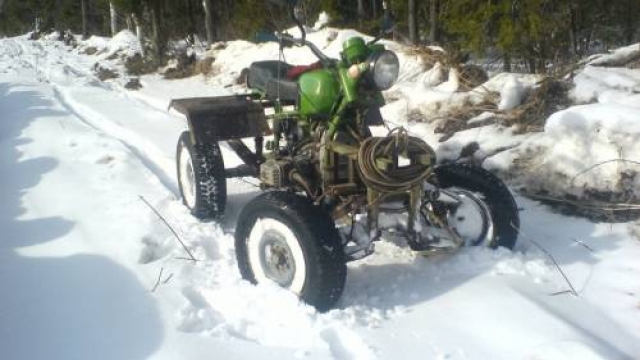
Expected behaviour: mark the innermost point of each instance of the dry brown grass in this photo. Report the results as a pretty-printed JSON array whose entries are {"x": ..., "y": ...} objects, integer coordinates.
[
  {"x": 429, "y": 56},
  {"x": 203, "y": 66},
  {"x": 187, "y": 66},
  {"x": 137, "y": 65},
  {"x": 549, "y": 96}
]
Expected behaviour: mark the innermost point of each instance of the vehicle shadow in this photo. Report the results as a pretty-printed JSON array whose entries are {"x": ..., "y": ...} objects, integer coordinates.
[{"x": 67, "y": 307}]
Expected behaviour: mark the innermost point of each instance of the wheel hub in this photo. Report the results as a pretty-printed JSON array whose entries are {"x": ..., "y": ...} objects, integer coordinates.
[
  {"x": 461, "y": 217},
  {"x": 469, "y": 217},
  {"x": 276, "y": 258}
]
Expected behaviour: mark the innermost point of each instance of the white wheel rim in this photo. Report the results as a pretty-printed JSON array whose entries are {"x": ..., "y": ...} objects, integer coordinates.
[
  {"x": 265, "y": 233},
  {"x": 471, "y": 218},
  {"x": 187, "y": 178}
]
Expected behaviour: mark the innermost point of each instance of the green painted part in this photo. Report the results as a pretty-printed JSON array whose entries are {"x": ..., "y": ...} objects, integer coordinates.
[
  {"x": 354, "y": 50},
  {"x": 319, "y": 92},
  {"x": 349, "y": 85},
  {"x": 374, "y": 48},
  {"x": 338, "y": 119}
]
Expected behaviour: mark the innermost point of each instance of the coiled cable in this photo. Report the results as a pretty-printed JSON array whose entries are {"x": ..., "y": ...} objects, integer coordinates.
[{"x": 397, "y": 178}]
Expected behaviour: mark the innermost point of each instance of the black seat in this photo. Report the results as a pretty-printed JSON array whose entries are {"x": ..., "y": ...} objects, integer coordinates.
[{"x": 270, "y": 77}]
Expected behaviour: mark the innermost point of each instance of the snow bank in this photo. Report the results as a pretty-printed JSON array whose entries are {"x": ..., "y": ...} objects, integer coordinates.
[
  {"x": 618, "y": 56},
  {"x": 512, "y": 94},
  {"x": 99, "y": 43},
  {"x": 589, "y": 149},
  {"x": 124, "y": 42},
  {"x": 606, "y": 85},
  {"x": 323, "y": 20},
  {"x": 433, "y": 77},
  {"x": 584, "y": 150},
  {"x": 52, "y": 36},
  {"x": 585, "y": 136}
]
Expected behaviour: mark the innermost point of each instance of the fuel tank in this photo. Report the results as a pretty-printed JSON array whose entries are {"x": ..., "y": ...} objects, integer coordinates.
[{"x": 319, "y": 92}]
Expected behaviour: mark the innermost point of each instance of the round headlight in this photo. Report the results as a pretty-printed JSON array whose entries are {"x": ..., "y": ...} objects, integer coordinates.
[{"x": 385, "y": 68}]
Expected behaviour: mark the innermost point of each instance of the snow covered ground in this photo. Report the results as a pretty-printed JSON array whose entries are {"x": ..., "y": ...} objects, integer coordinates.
[{"x": 88, "y": 271}]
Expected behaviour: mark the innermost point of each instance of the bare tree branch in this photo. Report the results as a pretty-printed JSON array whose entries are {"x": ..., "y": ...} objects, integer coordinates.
[
  {"x": 553, "y": 259},
  {"x": 573, "y": 179},
  {"x": 191, "y": 257},
  {"x": 581, "y": 243},
  {"x": 158, "y": 281}
]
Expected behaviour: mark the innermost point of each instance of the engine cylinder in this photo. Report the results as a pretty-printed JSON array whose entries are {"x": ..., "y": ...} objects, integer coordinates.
[{"x": 275, "y": 173}]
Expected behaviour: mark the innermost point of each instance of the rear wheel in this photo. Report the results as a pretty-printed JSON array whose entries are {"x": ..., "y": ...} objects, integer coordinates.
[
  {"x": 201, "y": 178},
  {"x": 286, "y": 239},
  {"x": 480, "y": 207}
]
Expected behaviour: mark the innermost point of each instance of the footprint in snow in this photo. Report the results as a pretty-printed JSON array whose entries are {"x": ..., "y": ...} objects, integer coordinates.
[{"x": 154, "y": 249}]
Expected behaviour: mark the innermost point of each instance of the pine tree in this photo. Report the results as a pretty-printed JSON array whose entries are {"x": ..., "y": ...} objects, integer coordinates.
[
  {"x": 412, "y": 21},
  {"x": 85, "y": 18},
  {"x": 434, "y": 23}
]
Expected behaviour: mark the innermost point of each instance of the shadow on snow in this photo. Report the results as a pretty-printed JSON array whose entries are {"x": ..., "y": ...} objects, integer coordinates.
[{"x": 75, "y": 307}]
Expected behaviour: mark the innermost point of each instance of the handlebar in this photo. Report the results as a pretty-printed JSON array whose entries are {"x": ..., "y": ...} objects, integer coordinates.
[{"x": 287, "y": 40}]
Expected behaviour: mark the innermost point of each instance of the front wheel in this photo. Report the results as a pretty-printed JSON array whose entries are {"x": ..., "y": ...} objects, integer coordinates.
[
  {"x": 480, "y": 207},
  {"x": 286, "y": 239}
]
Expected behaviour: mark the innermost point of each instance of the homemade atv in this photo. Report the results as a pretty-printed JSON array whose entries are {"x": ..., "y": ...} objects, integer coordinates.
[{"x": 331, "y": 189}]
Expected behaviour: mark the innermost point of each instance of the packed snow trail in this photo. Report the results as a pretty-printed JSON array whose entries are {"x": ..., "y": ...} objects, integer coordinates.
[{"x": 81, "y": 253}]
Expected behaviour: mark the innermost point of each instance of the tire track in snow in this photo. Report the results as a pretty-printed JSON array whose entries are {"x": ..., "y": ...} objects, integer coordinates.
[
  {"x": 145, "y": 151},
  {"x": 139, "y": 147}
]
